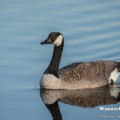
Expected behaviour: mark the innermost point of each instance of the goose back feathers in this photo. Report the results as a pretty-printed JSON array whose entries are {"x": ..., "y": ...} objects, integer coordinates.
[{"x": 88, "y": 74}]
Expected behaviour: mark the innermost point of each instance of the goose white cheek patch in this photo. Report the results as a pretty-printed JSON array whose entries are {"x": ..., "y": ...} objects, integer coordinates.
[{"x": 58, "y": 41}]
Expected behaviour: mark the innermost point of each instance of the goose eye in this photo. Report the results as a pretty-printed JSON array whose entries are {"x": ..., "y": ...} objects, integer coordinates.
[{"x": 56, "y": 35}]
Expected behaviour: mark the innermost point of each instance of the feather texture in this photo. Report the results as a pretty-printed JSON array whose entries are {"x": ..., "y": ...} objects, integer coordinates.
[{"x": 87, "y": 74}]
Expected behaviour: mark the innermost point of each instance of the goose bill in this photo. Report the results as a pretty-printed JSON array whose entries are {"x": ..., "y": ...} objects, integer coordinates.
[{"x": 48, "y": 41}]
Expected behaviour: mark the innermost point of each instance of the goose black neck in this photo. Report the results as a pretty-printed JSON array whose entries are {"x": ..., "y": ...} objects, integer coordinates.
[{"x": 54, "y": 64}]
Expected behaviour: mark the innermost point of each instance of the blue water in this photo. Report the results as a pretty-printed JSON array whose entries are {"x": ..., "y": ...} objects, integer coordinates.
[{"x": 91, "y": 29}]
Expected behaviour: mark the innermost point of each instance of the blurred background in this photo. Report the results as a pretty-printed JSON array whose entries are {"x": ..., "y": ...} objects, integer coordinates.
[{"x": 91, "y": 29}]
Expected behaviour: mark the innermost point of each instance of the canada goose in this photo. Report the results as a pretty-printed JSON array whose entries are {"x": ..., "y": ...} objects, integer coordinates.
[{"x": 81, "y": 75}]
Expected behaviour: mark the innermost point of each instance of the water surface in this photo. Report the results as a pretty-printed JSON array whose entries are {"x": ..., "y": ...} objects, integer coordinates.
[
  {"x": 91, "y": 30},
  {"x": 98, "y": 99}
]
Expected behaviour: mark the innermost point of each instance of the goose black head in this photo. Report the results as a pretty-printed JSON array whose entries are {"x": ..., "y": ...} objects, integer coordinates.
[{"x": 54, "y": 38}]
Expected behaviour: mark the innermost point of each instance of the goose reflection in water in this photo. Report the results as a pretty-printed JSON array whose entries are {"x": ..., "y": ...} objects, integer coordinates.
[{"x": 84, "y": 98}]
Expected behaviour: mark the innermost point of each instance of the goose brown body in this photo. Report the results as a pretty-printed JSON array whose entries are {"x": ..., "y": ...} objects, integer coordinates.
[{"x": 87, "y": 74}]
